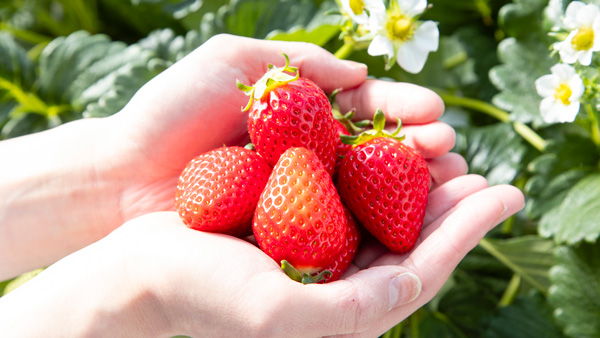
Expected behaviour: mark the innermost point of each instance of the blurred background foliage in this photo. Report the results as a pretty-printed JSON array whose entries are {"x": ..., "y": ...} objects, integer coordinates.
[{"x": 536, "y": 275}]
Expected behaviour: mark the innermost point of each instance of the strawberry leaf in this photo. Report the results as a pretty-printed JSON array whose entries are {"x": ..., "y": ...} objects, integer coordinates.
[
  {"x": 522, "y": 63},
  {"x": 529, "y": 256},
  {"x": 576, "y": 219},
  {"x": 529, "y": 316},
  {"x": 575, "y": 291},
  {"x": 495, "y": 151}
]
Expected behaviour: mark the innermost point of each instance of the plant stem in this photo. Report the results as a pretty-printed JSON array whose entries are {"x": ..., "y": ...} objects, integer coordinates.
[
  {"x": 595, "y": 128},
  {"x": 511, "y": 291},
  {"x": 346, "y": 49},
  {"x": 522, "y": 129}
]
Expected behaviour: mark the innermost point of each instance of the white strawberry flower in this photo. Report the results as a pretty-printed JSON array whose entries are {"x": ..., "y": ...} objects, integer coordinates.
[
  {"x": 359, "y": 10},
  {"x": 583, "y": 22},
  {"x": 401, "y": 37},
  {"x": 561, "y": 92}
]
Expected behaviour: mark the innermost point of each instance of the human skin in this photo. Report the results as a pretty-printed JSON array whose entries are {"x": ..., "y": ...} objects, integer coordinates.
[{"x": 68, "y": 188}]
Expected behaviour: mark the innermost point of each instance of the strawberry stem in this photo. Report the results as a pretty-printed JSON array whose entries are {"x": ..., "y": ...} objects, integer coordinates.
[
  {"x": 377, "y": 131},
  {"x": 304, "y": 278},
  {"x": 274, "y": 77}
]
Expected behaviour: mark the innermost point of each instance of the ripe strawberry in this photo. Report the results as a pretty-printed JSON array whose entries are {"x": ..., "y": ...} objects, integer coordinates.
[
  {"x": 300, "y": 217},
  {"x": 343, "y": 260},
  {"x": 289, "y": 111},
  {"x": 218, "y": 190},
  {"x": 386, "y": 185}
]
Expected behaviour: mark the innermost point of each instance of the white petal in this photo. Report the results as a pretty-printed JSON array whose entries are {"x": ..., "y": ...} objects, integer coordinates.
[
  {"x": 563, "y": 72},
  {"x": 374, "y": 5},
  {"x": 596, "y": 29},
  {"x": 571, "y": 13},
  {"x": 546, "y": 85},
  {"x": 577, "y": 88},
  {"x": 427, "y": 36},
  {"x": 411, "y": 57},
  {"x": 412, "y": 8},
  {"x": 554, "y": 111},
  {"x": 381, "y": 46},
  {"x": 586, "y": 16},
  {"x": 567, "y": 53},
  {"x": 585, "y": 57}
]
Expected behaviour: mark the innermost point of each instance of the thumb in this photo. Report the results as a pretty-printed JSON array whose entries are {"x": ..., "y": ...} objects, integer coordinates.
[{"x": 359, "y": 302}]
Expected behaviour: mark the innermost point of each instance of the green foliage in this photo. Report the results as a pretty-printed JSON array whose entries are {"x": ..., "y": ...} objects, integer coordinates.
[
  {"x": 62, "y": 60},
  {"x": 575, "y": 291}
]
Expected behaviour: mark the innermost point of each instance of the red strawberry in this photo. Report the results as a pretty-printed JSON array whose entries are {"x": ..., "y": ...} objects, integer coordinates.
[
  {"x": 300, "y": 217},
  {"x": 289, "y": 111},
  {"x": 343, "y": 260},
  {"x": 386, "y": 185},
  {"x": 218, "y": 190}
]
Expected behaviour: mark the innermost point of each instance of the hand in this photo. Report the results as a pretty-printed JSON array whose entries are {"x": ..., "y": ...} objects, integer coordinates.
[
  {"x": 195, "y": 106},
  {"x": 153, "y": 276}
]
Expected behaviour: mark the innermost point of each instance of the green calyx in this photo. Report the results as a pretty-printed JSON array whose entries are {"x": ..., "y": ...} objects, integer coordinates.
[
  {"x": 377, "y": 131},
  {"x": 274, "y": 77},
  {"x": 353, "y": 128},
  {"x": 303, "y": 278}
]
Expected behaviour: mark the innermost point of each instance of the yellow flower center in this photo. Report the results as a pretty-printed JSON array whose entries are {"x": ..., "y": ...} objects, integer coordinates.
[
  {"x": 400, "y": 27},
  {"x": 563, "y": 93},
  {"x": 583, "y": 39},
  {"x": 357, "y": 6}
]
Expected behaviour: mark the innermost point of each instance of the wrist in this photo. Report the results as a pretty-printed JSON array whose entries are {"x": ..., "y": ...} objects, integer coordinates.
[
  {"x": 93, "y": 292},
  {"x": 54, "y": 201}
]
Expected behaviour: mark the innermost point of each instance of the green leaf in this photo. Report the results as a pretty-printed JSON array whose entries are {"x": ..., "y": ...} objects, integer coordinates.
[
  {"x": 166, "y": 45},
  {"x": 321, "y": 28},
  {"x": 576, "y": 218},
  {"x": 529, "y": 316},
  {"x": 530, "y": 257},
  {"x": 495, "y": 151},
  {"x": 522, "y": 64},
  {"x": 15, "y": 67},
  {"x": 522, "y": 18},
  {"x": 575, "y": 291},
  {"x": 569, "y": 157}
]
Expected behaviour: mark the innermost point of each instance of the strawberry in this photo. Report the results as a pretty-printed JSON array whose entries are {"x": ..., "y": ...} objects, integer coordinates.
[
  {"x": 290, "y": 111},
  {"x": 218, "y": 191},
  {"x": 300, "y": 217},
  {"x": 386, "y": 185},
  {"x": 343, "y": 260}
]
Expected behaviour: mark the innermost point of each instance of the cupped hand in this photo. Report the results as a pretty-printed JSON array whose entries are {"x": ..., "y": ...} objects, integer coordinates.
[
  {"x": 195, "y": 106},
  {"x": 213, "y": 285}
]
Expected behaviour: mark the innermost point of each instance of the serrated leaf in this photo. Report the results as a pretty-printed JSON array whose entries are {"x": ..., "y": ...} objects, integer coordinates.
[
  {"x": 529, "y": 316},
  {"x": 124, "y": 87},
  {"x": 523, "y": 63},
  {"x": 531, "y": 257},
  {"x": 15, "y": 67},
  {"x": 166, "y": 45},
  {"x": 576, "y": 218},
  {"x": 575, "y": 291},
  {"x": 495, "y": 152}
]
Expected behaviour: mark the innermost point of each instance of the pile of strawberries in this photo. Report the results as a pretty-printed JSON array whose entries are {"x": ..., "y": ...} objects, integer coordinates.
[{"x": 303, "y": 192}]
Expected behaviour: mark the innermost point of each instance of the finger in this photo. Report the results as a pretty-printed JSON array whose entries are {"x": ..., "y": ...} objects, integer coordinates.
[
  {"x": 430, "y": 140},
  {"x": 411, "y": 103},
  {"x": 312, "y": 61},
  {"x": 450, "y": 194},
  {"x": 351, "y": 305},
  {"x": 445, "y": 168}
]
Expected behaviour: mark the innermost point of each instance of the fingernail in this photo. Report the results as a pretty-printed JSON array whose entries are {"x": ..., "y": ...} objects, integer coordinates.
[{"x": 404, "y": 289}]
